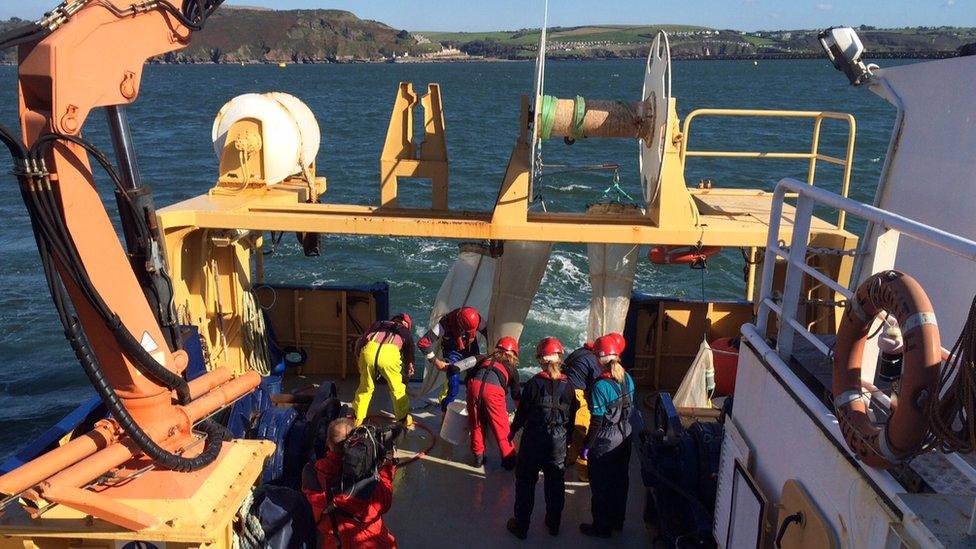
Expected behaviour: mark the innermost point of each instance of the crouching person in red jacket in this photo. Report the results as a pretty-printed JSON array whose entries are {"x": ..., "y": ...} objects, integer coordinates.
[{"x": 348, "y": 516}]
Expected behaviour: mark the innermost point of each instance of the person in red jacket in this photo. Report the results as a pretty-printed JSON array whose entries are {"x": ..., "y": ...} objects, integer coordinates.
[
  {"x": 489, "y": 378},
  {"x": 347, "y": 518}
]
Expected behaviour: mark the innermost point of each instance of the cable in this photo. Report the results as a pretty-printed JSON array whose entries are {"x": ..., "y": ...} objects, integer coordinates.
[
  {"x": 55, "y": 228},
  {"x": 57, "y": 250},
  {"x": 195, "y": 12},
  {"x": 31, "y": 32}
]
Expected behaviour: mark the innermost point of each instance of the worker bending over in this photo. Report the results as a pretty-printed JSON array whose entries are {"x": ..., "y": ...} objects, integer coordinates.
[
  {"x": 608, "y": 442},
  {"x": 546, "y": 411},
  {"x": 489, "y": 378},
  {"x": 346, "y": 516},
  {"x": 384, "y": 350},
  {"x": 457, "y": 332}
]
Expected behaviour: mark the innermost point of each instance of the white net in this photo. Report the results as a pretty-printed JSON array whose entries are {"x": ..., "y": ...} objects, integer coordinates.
[
  {"x": 693, "y": 392},
  {"x": 612, "y": 269},
  {"x": 518, "y": 273},
  {"x": 468, "y": 283}
]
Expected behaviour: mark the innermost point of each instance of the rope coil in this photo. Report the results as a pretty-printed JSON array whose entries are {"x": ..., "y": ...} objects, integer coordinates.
[{"x": 548, "y": 116}]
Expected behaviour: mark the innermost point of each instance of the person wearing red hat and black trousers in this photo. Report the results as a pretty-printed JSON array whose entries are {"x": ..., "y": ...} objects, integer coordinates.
[
  {"x": 458, "y": 334},
  {"x": 488, "y": 380},
  {"x": 546, "y": 411},
  {"x": 608, "y": 442}
]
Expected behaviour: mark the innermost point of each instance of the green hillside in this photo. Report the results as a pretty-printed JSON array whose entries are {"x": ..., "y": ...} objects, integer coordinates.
[
  {"x": 236, "y": 35},
  {"x": 250, "y": 35},
  {"x": 698, "y": 42}
]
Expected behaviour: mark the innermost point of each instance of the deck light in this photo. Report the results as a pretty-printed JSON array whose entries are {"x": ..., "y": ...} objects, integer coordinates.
[{"x": 844, "y": 49}]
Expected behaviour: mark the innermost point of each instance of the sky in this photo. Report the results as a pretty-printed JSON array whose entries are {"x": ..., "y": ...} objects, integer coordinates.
[{"x": 748, "y": 15}]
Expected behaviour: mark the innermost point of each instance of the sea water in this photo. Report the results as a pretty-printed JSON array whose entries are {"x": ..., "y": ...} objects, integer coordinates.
[{"x": 171, "y": 121}]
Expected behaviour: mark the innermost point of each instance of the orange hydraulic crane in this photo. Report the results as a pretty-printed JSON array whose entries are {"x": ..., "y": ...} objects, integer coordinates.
[{"x": 115, "y": 303}]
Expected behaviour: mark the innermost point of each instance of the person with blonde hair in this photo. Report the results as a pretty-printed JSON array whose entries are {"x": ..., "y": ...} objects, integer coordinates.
[
  {"x": 608, "y": 444},
  {"x": 489, "y": 379},
  {"x": 546, "y": 412}
]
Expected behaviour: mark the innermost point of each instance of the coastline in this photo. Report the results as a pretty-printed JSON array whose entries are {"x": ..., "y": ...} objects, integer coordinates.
[{"x": 421, "y": 61}]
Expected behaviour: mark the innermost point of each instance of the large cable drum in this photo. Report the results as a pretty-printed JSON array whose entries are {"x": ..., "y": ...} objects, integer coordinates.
[{"x": 287, "y": 139}]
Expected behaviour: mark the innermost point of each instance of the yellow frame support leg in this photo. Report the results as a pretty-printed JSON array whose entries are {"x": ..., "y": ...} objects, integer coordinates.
[{"x": 400, "y": 158}]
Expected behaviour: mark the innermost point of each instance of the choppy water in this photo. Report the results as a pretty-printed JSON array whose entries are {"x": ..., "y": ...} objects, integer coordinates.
[{"x": 39, "y": 380}]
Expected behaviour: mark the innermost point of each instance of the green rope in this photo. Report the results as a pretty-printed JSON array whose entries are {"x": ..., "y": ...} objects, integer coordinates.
[
  {"x": 548, "y": 116},
  {"x": 579, "y": 113}
]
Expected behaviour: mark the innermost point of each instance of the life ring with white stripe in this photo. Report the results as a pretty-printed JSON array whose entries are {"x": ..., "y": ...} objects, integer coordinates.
[{"x": 904, "y": 433}]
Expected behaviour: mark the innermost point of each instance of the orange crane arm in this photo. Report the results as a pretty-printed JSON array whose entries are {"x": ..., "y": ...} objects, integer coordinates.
[
  {"x": 95, "y": 59},
  {"x": 89, "y": 54}
]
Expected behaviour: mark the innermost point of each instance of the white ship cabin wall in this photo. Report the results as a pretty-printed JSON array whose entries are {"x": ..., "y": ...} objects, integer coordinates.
[{"x": 785, "y": 428}]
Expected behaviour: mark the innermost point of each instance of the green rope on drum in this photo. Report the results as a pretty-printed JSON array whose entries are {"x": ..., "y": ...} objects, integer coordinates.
[
  {"x": 579, "y": 113},
  {"x": 547, "y": 116}
]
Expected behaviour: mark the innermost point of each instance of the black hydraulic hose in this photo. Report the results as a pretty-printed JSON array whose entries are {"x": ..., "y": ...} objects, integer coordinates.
[
  {"x": 141, "y": 359},
  {"x": 17, "y": 149},
  {"x": 118, "y": 410},
  {"x": 194, "y": 14},
  {"x": 45, "y": 225},
  {"x": 52, "y": 226}
]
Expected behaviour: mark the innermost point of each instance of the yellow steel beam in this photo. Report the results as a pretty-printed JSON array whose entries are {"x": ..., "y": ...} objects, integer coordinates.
[{"x": 717, "y": 230}]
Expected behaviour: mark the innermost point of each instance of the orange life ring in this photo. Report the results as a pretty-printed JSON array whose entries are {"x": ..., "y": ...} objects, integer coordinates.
[
  {"x": 681, "y": 255},
  {"x": 907, "y": 428}
]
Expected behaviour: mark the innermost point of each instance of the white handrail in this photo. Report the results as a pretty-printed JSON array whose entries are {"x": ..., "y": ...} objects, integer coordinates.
[{"x": 807, "y": 198}]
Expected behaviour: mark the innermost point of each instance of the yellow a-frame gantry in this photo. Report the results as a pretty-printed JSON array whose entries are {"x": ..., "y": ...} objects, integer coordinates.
[{"x": 211, "y": 239}]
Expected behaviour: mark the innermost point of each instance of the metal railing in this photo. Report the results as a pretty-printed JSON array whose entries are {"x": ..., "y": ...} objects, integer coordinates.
[
  {"x": 812, "y": 156},
  {"x": 889, "y": 225},
  {"x": 796, "y": 266}
]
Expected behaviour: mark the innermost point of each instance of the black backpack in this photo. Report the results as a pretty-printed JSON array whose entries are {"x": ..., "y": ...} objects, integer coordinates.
[{"x": 362, "y": 455}]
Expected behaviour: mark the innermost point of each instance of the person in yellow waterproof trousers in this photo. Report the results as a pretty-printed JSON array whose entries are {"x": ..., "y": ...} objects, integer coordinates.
[{"x": 384, "y": 350}]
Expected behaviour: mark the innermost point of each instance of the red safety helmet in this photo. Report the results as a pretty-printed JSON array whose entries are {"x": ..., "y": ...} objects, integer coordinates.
[
  {"x": 509, "y": 344},
  {"x": 619, "y": 339},
  {"x": 549, "y": 346},
  {"x": 606, "y": 347},
  {"x": 404, "y": 318},
  {"x": 588, "y": 346},
  {"x": 468, "y": 319}
]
